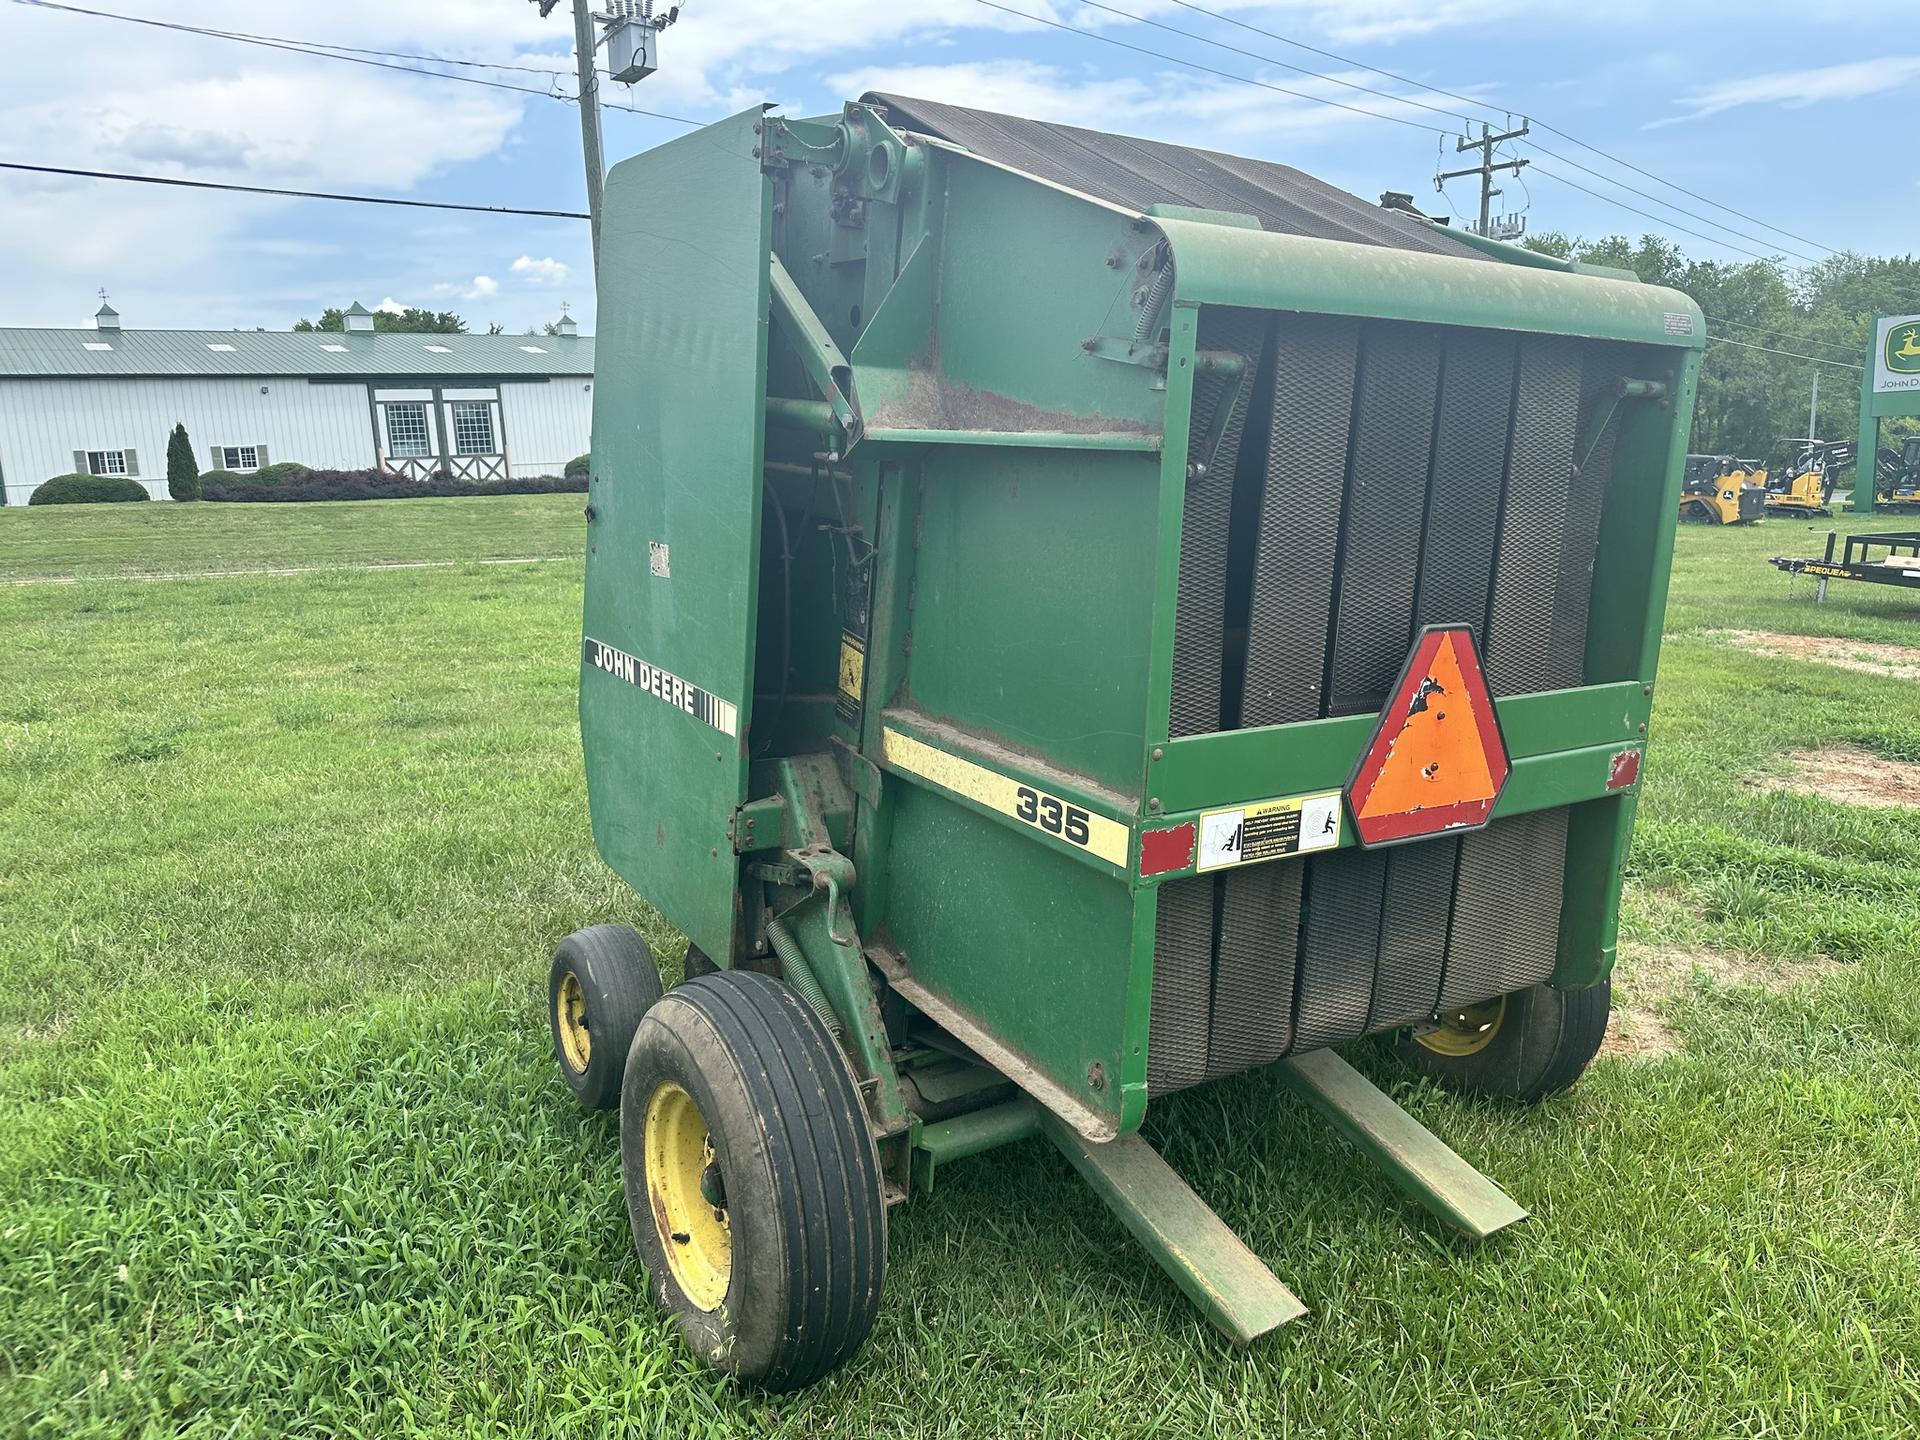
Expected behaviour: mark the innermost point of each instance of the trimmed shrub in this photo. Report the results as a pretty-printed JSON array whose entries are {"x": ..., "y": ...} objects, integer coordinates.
[
  {"x": 87, "y": 490},
  {"x": 222, "y": 477},
  {"x": 183, "y": 471},
  {"x": 379, "y": 485},
  {"x": 578, "y": 466},
  {"x": 279, "y": 472}
]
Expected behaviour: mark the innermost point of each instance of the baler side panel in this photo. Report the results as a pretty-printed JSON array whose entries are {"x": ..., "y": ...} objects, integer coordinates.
[
  {"x": 675, "y": 507},
  {"x": 1028, "y": 943},
  {"x": 1030, "y": 617}
]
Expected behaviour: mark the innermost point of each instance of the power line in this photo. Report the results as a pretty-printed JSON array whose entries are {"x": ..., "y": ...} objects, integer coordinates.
[
  {"x": 1705, "y": 200},
  {"x": 1491, "y": 107},
  {"x": 320, "y": 50},
  {"x": 1780, "y": 334},
  {"x": 1567, "y": 160},
  {"x": 1649, "y": 215},
  {"x": 1679, "y": 209},
  {"x": 293, "y": 47},
  {"x": 1208, "y": 69},
  {"x": 284, "y": 40},
  {"x": 1790, "y": 354},
  {"x": 296, "y": 194},
  {"x": 1284, "y": 65}
]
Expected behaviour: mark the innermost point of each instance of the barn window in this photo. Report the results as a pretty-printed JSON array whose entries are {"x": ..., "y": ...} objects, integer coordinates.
[
  {"x": 240, "y": 457},
  {"x": 407, "y": 428},
  {"x": 473, "y": 427},
  {"x": 106, "y": 462}
]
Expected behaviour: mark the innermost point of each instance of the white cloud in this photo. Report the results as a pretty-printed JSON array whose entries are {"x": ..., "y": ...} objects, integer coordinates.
[
  {"x": 391, "y": 306},
  {"x": 545, "y": 271},
  {"x": 1797, "y": 88},
  {"x": 484, "y": 287}
]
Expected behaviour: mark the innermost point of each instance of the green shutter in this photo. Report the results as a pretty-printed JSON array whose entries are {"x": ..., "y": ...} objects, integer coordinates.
[
  {"x": 80, "y": 463},
  {"x": 133, "y": 461},
  {"x": 260, "y": 454},
  {"x": 217, "y": 457}
]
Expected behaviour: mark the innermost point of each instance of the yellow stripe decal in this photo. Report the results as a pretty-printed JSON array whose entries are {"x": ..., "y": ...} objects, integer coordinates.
[{"x": 1096, "y": 834}]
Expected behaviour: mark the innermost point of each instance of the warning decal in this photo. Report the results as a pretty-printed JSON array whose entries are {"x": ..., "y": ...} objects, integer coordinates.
[
  {"x": 1268, "y": 830},
  {"x": 853, "y": 677},
  {"x": 663, "y": 685}
]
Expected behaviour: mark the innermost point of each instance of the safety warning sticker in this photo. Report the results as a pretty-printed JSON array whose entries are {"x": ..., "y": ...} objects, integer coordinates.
[
  {"x": 853, "y": 677},
  {"x": 1268, "y": 830},
  {"x": 663, "y": 685}
]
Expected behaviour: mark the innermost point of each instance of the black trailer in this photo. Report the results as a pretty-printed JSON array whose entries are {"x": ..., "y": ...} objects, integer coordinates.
[{"x": 1899, "y": 565}]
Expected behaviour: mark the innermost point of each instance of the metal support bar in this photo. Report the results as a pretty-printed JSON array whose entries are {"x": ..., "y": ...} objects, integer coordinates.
[
  {"x": 814, "y": 415},
  {"x": 942, "y": 1141},
  {"x": 1414, "y": 1158},
  {"x": 825, "y": 365},
  {"x": 1210, "y": 1264}
]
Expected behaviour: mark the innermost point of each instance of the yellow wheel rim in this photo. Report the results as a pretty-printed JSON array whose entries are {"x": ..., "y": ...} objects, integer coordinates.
[
  {"x": 1465, "y": 1031},
  {"x": 570, "y": 1011},
  {"x": 687, "y": 1197}
]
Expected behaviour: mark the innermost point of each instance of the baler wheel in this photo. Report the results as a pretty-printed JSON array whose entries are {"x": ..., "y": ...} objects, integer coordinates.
[
  {"x": 1524, "y": 1046},
  {"x": 601, "y": 982},
  {"x": 753, "y": 1184}
]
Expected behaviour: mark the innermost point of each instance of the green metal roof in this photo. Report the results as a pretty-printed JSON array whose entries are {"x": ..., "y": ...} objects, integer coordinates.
[{"x": 47, "y": 354}]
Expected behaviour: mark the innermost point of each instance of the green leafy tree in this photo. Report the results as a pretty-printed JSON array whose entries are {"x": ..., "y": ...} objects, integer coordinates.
[
  {"x": 410, "y": 321},
  {"x": 183, "y": 471},
  {"x": 1769, "y": 328}
]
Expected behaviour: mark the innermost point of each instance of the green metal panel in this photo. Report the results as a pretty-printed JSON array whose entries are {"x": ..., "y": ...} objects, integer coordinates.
[
  {"x": 1226, "y": 265},
  {"x": 677, "y": 463},
  {"x": 1200, "y": 771},
  {"x": 1025, "y": 942},
  {"x": 1030, "y": 619}
]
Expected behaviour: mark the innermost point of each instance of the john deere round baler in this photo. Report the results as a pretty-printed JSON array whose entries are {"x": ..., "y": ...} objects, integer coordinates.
[{"x": 1069, "y": 618}]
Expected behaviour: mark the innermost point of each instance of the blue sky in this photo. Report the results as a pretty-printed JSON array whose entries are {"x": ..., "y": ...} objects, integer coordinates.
[{"x": 1803, "y": 120}]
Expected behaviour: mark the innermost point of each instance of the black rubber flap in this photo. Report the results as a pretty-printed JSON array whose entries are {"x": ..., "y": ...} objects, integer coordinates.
[{"x": 1136, "y": 174}]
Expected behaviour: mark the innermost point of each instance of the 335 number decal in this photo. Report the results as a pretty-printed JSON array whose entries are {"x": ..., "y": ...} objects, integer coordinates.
[{"x": 1056, "y": 817}]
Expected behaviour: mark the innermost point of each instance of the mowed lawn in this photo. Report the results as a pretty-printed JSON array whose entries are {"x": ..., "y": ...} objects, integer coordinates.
[{"x": 283, "y": 1151}]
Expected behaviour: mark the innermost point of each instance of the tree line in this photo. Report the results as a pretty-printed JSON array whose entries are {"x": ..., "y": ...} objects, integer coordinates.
[{"x": 1750, "y": 398}]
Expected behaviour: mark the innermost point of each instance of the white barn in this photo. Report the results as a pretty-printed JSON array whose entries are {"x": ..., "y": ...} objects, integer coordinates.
[{"x": 104, "y": 401}]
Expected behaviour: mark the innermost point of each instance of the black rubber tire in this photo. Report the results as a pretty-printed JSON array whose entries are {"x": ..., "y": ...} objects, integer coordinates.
[
  {"x": 804, "y": 1203},
  {"x": 618, "y": 982},
  {"x": 697, "y": 964},
  {"x": 1545, "y": 1041}
]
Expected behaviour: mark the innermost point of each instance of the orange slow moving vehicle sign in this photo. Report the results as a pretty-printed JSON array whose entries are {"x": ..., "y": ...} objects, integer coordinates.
[{"x": 1436, "y": 762}]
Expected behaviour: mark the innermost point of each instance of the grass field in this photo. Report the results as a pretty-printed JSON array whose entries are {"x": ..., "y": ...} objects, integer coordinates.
[{"x": 282, "y": 1149}]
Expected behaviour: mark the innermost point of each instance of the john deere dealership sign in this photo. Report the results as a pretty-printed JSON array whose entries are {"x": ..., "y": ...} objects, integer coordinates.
[{"x": 1897, "y": 354}]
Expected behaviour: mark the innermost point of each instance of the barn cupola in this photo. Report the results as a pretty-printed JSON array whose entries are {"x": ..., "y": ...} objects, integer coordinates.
[
  {"x": 566, "y": 326},
  {"x": 359, "y": 319},
  {"x": 106, "y": 317}
]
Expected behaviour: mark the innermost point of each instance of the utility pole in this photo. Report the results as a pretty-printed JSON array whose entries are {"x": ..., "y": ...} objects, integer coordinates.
[
  {"x": 1813, "y": 409},
  {"x": 632, "y": 28},
  {"x": 585, "y": 48},
  {"x": 1487, "y": 168}
]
